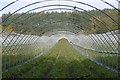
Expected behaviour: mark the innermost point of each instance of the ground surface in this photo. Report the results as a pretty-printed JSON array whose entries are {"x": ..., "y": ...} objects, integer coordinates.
[{"x": 62, "y": 61}]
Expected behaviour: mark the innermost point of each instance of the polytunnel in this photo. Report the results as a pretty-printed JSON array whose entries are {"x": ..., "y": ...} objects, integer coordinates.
[{"x": 30, "y": 29}]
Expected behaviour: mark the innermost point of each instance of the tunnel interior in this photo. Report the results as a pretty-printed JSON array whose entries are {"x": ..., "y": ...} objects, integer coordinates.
[{"x": 30, "y": 29}]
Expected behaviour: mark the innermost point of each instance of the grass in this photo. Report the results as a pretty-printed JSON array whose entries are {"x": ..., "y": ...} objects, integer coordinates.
[
  {"x": 61, "y": 61},
  {"x": 111, "y": 60},
  {"x": 101, "y": 46},
  {"x": 17, "y": 55},
  {"x": 106, "y": 47}
]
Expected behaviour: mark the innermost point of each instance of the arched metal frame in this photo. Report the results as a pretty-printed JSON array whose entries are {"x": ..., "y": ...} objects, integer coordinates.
[
  {"x": 67, "y": 6},
  {"x": 30, "y": 38},
  {"x": 60, "y": 5},
  {"x": 61, "y": 8}
]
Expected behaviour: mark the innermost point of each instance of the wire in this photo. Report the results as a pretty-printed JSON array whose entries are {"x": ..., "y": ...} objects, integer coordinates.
[{"x": 9, "y": 5}]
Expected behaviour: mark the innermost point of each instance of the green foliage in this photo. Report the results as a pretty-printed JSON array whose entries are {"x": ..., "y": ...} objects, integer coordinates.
[
  {"x": 39, "y": 23},
  {"x": 14, "y": 56},
  {"x": 111, "y": 60},
  {"x": 61, "y": 61}
]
